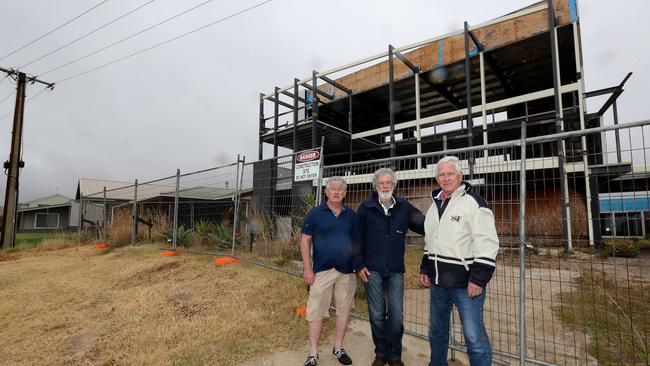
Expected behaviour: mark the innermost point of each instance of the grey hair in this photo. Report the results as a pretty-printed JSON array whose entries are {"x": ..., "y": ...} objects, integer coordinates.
[
  {"x": 384, "y": 171},
  {"x": 336, "y": 179},
  {"x": 447, "y": 160}
]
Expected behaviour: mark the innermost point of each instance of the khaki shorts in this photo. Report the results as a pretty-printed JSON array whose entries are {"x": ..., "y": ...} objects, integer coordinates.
[{"x": 320, "y": 294}]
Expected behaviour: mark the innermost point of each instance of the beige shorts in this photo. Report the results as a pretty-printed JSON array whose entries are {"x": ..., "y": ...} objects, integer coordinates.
[{"x": 320, "y": 294}]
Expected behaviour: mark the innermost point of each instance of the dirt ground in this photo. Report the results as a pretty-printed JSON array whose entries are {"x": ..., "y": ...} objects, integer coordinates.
[
  {"x": 547, "y": 338},
  {"x": 358, "y": 343},
  {"x": 83, "y": 306}
]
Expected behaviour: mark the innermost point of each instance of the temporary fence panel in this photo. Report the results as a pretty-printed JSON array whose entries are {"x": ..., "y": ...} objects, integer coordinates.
[
  {"x": 272, "y": 211},
  {"x": 206, "y": 207}
]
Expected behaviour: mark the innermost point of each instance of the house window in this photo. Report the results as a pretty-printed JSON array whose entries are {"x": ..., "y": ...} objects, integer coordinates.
[
  {"x": 47, "y": 221},
  {"x": 628, "y": 224},
  {"x": 606, "y": 224}
]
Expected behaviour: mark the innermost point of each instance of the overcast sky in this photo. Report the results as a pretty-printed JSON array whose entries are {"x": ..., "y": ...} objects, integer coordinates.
[{"x": 193, "y": 102}]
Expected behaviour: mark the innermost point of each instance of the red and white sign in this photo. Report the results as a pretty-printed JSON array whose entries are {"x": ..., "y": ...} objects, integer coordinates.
[
  {"x": 308, "y": 156},
  {"x": 307, "y": 166}
]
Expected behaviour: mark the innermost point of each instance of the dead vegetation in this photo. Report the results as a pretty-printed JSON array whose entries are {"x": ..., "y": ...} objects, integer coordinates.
[
  {"x": 131, "y": 306},
  {"x": 121, "y": 224}
]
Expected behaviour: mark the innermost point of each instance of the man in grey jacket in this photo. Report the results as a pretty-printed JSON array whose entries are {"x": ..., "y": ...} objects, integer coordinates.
[{"x": 459, "y": 259}]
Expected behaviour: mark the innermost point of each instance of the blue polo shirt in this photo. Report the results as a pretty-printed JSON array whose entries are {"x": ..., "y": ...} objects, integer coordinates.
[{"x": 332, "y": 237}]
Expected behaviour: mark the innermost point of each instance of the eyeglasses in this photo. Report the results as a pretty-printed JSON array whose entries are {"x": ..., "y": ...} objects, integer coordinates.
[
  {"x": 446, "y": 175},
  {"x": 335, "y": 189}
]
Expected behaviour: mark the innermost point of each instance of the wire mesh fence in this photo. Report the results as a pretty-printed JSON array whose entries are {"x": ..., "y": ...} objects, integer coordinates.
[{"x": 569, "y": 288}]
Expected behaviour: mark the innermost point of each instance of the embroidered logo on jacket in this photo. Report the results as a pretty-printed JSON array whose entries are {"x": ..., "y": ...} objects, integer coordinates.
[{"x": 455, "y": 218}]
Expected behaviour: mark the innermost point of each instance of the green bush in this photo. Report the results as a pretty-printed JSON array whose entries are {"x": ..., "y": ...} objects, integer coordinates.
[{"x": 626, "y": 248}]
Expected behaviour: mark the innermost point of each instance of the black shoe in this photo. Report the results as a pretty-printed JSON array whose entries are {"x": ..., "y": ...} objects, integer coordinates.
[
  {"x": 342, "y": 356},
  {"x": 312, "y": 361}
]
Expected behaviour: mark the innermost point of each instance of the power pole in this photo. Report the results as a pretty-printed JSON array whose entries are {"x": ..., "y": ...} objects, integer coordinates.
[{"x": 8, "y": 236}]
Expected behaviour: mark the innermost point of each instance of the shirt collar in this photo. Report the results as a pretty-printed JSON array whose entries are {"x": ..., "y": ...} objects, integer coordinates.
[
  {"x": 392, "y": 198},
  {"x": 324, "y": 206}
]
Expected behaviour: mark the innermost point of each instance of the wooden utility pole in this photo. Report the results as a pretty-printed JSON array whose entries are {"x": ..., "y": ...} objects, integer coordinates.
[{"x": 12, "y": 167}]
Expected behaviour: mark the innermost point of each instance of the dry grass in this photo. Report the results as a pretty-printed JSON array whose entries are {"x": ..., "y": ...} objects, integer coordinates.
[
  {"x": 131, "y": 306},
  {"x": 122, "y": 222},
  {"x": 614, "y": 315},
  {"x": 56, "y": 244},
  {"x": 412, "y": 260}
]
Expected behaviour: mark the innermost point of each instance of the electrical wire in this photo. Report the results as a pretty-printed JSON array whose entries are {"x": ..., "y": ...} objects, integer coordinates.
[
  {"x": 53, "y": 30},
  {"x": 4, "y": 78},
  {"x": 126, "y": 38},
  {"x": 88, "y": 34},
  {"x": 27, "y": 101},
  {"x": 8, "y": 96},
  {"x": 165, "y": 42}
]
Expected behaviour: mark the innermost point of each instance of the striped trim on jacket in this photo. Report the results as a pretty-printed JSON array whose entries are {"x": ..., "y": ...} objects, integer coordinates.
[{"x": 461, "y": 242}]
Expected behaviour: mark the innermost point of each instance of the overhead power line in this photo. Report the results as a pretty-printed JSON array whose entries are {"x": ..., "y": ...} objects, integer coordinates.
[
  {"x": 53, "y": 30},
  {"x": 165, "y": 42},
  {"x": 126, "y": 38},
  {"x": 88, "y": 34},
  {"x": 8, "y": 96}
]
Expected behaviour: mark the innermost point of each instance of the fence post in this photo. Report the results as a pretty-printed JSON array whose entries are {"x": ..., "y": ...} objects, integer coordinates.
[
  {"x": 105, "y": 217},
  {"x": 175, "y": 227},
  {"x": 522, "y": 249},
  {"x": 235, "y": 220},
  {"x": 452, "y": 338},
  {"x": 81, "y": 214},
  {"x": 319, "y": 187},
  {"x": 134, "y": 224}
]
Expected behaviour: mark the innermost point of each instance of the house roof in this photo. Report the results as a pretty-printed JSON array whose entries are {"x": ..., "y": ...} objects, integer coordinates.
[
  {"x": 206, "y": 193},
  {"x": 115, "y": 190},
  {"x": 93, "y": 189},
  {"x": 44, "y": 207},
  {"x": 52, "y": 200}
]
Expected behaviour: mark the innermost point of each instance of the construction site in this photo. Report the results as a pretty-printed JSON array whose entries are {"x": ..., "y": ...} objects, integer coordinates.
[
  {"x": 474, "y": 87},
  {"x": 566, "y": 180},
  {"x": 508, "y": 98}
]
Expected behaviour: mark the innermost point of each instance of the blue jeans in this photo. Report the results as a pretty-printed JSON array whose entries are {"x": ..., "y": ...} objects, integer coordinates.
[
  {"x": 471, "y": 317},
  {"x": 385, "y": 294}
]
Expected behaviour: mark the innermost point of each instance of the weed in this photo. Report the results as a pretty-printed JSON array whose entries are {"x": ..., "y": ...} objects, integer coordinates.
[{"x": 615, "y": 318}]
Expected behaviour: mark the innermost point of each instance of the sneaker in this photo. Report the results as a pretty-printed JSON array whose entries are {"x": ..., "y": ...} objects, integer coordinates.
[
  {"x": 395, "y": 363},
  {"x": 379, "y": 361},
  {"x": 342, "y": 356},
  {"x": 312, "y": 361}
]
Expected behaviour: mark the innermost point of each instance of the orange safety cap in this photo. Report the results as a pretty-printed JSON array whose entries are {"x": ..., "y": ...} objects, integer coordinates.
[{"x": 225, "y": 260}]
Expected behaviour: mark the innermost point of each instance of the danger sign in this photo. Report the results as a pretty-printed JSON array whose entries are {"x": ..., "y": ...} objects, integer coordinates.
[{"x": 307, "y": 166}]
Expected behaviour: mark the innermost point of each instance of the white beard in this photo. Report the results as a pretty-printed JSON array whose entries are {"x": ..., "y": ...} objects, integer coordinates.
[{"x": 385, "y": 196}]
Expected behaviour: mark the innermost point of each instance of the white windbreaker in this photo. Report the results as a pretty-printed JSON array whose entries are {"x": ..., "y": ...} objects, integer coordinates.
[{"x": 461, "y": 245}]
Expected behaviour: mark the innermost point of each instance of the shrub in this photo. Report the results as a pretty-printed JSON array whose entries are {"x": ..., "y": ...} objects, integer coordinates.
[
  {"x": 183, "y": 235},
  {"x": 203, "y": 233},
  {"x": 626, "y": 248}
]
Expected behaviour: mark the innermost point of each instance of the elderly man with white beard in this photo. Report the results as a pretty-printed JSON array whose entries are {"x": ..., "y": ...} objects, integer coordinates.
[{"x": 384, "y": 220}]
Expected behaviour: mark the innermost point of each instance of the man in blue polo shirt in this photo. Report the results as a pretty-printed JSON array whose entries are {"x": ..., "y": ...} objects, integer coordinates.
[{"x": 329, "y": 230}]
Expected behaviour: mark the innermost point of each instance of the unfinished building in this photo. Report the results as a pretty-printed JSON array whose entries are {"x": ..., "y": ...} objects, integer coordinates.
[{"x": 468, "y": 88}]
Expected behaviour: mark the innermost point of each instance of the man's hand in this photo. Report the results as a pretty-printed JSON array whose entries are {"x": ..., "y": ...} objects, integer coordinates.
[
  {"x": 309, "y": 276},
  {"x": 363, "y": 274},
  {"x": 424, "y": 280},
  {"x": 474, "y": 290}
]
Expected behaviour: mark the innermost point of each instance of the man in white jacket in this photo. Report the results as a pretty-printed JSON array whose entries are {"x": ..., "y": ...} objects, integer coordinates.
[{"x": 460, "y": 250}]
